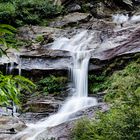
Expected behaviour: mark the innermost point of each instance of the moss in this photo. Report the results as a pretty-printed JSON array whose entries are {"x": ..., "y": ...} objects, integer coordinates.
[{"x": 39, "y": 38}]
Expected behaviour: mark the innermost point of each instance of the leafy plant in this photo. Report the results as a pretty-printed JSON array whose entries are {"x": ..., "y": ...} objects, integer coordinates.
[
  {"x": 4, "y": 31},
  {"x": 11, "y": 87}
]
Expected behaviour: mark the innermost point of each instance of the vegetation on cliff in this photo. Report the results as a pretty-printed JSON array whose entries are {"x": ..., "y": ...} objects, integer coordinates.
[
  {"x": 122, "y": 121},
  {"x": 52, "y": 84},
  {"x": 19, "y": 12}
]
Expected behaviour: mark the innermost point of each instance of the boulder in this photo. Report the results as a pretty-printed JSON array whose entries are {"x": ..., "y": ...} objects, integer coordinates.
[
  {"x": 10, "y": 126},
  {"x": 8, "y": 123},
  {"x": 49, "y": 104},
  {"x": 70, "y": 19}
]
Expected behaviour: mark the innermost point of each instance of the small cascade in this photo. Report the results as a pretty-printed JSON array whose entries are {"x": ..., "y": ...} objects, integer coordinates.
[
  {"x": 78, "y": 46},
  {"x": 11, "y": 110},
  {"x": 19, "y": 64},
  {"x": 9, "y": 68}
]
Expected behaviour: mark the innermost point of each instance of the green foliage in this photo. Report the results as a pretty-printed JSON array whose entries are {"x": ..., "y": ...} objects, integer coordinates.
[
  {"x": 124, "y": 83},
  {"x": 122, "y": 121},
  {"x": 7, "y": 12},
  {"x": 119, "y": 123},
  {"x": 39, "y": 38},
  {"x": 97, "y": 83},
  {"x": 5, "y": 30},
  {"x": 19, "y": 12},
  {"x": 52, "y": 84},
  {"x": 11, "y": 87}
]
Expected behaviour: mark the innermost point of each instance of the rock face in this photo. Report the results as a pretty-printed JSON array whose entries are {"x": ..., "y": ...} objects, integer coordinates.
[
  {"x": 32, "y": 32},
  {"x": 40, "y": 107},
  {"x": 111, "y": 41},
  {"x": 109, "y": 44}
]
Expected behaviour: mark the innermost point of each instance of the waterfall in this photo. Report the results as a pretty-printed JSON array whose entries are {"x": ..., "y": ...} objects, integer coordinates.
[{"x": 78, "y": 47}]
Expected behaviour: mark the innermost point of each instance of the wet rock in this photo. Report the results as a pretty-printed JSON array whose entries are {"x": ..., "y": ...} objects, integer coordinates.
[
  {"x": 109, "y": 40},
  {"x": 137, "y": 1},
  {"x": 49, "y": 105},
  {"x": 39, "y": 106},
  {"x": 63, "y": 131},
  {"x": 46, "y": 60},
  {"x": 70, "y": 19}
]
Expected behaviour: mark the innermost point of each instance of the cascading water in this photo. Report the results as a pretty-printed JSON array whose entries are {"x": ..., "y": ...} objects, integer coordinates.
[{"x": 78, "y": 46}]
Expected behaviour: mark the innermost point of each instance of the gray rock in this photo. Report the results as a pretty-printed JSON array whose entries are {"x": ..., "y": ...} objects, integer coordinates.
[
  {"x": 8, "y": 122},
  {"x": 32, "y": 32},
  {"x": 46, "y": 60},
  {"x": 70, "y": 19}
]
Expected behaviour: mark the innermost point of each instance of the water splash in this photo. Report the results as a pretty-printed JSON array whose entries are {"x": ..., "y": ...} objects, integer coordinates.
[
  {"x": 121, "y": 19},
  {"x": 78, "y": 46}
]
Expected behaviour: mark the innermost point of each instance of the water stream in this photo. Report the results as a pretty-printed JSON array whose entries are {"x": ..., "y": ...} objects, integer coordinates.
[{"x": 78, "y": 47}]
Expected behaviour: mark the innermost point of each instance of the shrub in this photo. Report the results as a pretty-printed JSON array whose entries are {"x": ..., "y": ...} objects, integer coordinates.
[
  {"x": 119, "y": 123},
  {"x": 124, "y": 83},
  {"x": 97, "y": 83},
  {"x": 52, "y": 84},
  {"x": 28, "y": 11}
]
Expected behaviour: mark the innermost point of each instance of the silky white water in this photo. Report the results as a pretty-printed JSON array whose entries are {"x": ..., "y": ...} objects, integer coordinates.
[{"x": 78, "y": 46}]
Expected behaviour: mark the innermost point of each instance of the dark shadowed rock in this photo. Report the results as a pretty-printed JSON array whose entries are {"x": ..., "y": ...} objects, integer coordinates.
[
  {"x": 73, "y": 8},
  {"x": 99, "y": 10}
]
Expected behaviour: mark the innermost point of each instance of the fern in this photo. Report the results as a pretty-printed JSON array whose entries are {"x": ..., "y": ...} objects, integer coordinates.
[{"x": 11, "y": 87}]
